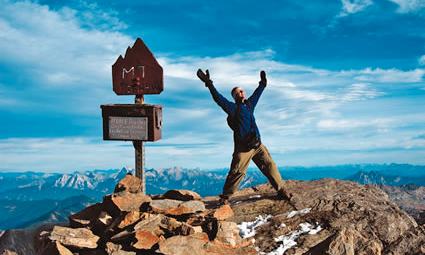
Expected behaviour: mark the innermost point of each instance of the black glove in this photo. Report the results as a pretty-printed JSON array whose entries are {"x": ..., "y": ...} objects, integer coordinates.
[
  {"x": 263, "y": 80},
  {"x": 205, "y": 77}
]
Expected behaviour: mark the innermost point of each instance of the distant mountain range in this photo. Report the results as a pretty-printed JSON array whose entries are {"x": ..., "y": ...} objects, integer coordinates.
[{"x": 30, "y": 197}]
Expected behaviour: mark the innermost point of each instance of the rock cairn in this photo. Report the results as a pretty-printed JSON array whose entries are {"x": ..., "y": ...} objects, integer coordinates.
[{"x": 128, "y": 222}]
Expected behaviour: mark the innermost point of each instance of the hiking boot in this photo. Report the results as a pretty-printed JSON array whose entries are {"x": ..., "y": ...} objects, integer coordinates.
[{"x": 282, "y": 194}]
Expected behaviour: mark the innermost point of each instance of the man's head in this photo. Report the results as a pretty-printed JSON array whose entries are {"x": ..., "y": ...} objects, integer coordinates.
[{"x": 238, "y": 94}]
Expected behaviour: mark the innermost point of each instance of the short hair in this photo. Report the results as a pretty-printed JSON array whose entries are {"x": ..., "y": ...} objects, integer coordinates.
[{"x": 234, "y": 92}]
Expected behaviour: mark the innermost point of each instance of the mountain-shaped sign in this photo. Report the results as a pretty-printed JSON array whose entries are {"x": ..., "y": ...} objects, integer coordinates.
[{"x": 138, "y": 72}]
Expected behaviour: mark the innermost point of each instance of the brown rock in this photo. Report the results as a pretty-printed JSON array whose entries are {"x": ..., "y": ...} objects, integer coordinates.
[
  {"x": 183, "y": 245},
  {"x": 129, "y": 219},
  {"x": 151, "y": 223},
  {"x": 145, "y": 240},
  {"x": 223, "y": 212},
  {"x": 187, "y": 207},
  {"x": 186, "y": 229},
  {"x": 85, "y": 217},
  {"x": 163, "y": 205},
  {"x": 160, "y": 224},
  {"x": 228, "y": 233},
  {"x": 79, "y": 237},
  {"x": 411, "y": 242},
  {"x": 129, "y": 183},
  {"x": 197, "y": 229},
  {"x": 349, "y": 241},
  {"x": 198, "y": 244},
  {"x": 116, "y": 249},
  {"x": 183, "y": 195},
  {"x": 62, "y": 250},
  {"x": 126, "y": 201}
]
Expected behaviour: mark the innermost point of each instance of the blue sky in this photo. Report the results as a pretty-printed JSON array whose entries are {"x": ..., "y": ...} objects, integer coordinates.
[{"x": 346, "y": 80}]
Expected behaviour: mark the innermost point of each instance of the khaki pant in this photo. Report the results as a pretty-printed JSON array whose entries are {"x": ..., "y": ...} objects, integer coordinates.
[{"x": 240, "y": 162}]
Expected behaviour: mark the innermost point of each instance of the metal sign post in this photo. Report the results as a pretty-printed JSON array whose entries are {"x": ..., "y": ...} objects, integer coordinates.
[
  {"x": 137, "y": 73},
  {"x": 139, "y": 150}
]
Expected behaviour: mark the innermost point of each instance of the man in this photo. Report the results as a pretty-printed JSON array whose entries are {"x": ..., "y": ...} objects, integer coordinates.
[{"x": 246, "y": 137}]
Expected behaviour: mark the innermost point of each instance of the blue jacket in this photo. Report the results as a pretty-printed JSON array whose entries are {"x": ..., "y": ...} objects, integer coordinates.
[{"x": 246, "y": 118}]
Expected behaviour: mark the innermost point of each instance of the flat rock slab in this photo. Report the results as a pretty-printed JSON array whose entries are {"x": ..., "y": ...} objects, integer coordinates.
[
  {"x": 182, "y": 194},
  {"x": 183, "y": 245},
  {"x": 176, "y": 207},
  {"x": 62, "y": 250},
  {"x": 151, "y": 222},
  {"x": 116, "y": 249},
  {"x": 228, "y": 233},
  {"x": 145, "y": 240},
  {"x": 130, "y": 218},
  {"x": 223, "y": 212},
  {"x": 198, "y": 244},
  {"x": 75, "y": 237},
  {"x": 126, "y": 201}
]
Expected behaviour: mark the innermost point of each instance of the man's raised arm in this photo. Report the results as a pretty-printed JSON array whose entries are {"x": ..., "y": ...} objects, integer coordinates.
[
  {"x": 253, "y": 99},
  {"x": 225, "y": 104}
]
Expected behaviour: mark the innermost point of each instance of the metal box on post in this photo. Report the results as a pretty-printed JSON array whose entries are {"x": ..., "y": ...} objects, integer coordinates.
[{"x": 132, "y": 122}]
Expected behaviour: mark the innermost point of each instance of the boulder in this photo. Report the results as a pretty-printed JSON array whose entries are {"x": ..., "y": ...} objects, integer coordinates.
[
  {"x": 183, "y": 245},
  {"x": 151, "y": 223},
  {"x": 160, "y": 224},
  {"x": 130, "y": 218},
  {"x": 145, "y": 240},
  {"x": 228, "y": 233},
  {"x": 116, "y": 249},
  {"x": 183, "y": 195},
  {"x": 188, "y": 207},
  {"x": 176, "y": 207},
  {"x": 62, "y": 250},
  {"x": 118, "y": 203},
  {"x": 223, "y": 212},
  {"x": 75, "y": 237},
  {"x": 129, "y": 183},
  {"x": 163, "y": 205},
  {"x": 198, "y": 244},
  {"x": 348, "y": 241}
]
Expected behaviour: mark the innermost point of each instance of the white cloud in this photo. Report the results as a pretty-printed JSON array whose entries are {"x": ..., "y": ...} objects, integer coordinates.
[
  {"x": 303, "y": 109},
  {"x": 347, "y": 124},
  {"x": 406, "y": 6},
  {"x": 361, "y": 91},
  {"x": 55, "y": 47},
  {"x": 353, "y": 6},
  {"x": 422, "y": 60},
  {"x": 390, "y": 75}
]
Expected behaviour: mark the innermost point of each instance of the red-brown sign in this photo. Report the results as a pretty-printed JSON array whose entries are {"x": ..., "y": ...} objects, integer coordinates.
[{"x": 138, "y": 73}]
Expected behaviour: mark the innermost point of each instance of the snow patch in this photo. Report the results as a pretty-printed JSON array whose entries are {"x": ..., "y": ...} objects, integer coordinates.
[
  {"x": 289, "y": 241},
  {"x": 255, "y": 196},
  {"x": 247, "y": 229},
  {"x": 300, "y": 212}
]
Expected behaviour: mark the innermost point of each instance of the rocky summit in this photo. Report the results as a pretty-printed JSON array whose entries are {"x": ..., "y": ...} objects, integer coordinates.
[{"x": 323, "y": 217}]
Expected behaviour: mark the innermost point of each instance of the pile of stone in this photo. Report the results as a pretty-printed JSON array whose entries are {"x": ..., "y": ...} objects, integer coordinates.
[{"x": 129, "y": 222}]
